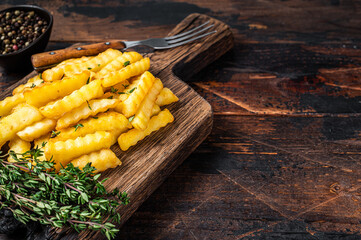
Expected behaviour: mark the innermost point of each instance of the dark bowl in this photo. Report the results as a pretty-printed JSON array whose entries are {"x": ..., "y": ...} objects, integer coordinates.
[{"x": 20, "y": 60}]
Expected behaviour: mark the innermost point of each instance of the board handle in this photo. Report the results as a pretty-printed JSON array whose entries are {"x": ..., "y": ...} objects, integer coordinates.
[
  {"x": 53, "y": 57},
  {"x": 190, "y": 58}
]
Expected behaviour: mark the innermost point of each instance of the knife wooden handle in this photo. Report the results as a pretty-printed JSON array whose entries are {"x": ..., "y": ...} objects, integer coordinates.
[{"x": 54, "y": 57}]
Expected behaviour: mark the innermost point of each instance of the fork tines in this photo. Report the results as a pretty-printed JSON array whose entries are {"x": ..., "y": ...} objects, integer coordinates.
[{"x": 186, "y": 37}]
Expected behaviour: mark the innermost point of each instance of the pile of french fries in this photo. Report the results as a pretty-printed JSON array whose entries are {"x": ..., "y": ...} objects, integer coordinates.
[{"x": 83, "y": 106}]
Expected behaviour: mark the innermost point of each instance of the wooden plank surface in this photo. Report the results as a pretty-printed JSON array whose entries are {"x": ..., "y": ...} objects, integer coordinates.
[
  {"x": 145, "y": 166},
  {"x": 283, "y": 157}
]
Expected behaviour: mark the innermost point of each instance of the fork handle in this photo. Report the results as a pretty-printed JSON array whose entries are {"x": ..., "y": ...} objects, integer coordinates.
[{"x": 53, "y": 57}]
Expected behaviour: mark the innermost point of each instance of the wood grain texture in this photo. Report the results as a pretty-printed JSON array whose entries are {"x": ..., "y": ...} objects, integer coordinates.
[{"x": 146, "y": 165}]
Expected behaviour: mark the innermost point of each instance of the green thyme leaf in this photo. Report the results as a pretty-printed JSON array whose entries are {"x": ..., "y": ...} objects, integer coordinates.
[
  {"x": 113, "y": 90},
  {"x": 132, "y": 90},
  {"x": 54, "y": 134},
  {"x": 88, "y": 104},
  {"x": 77, "y": 126},
  {"x": 73, "y": 198},
  {"x": 126, "y": 63}
]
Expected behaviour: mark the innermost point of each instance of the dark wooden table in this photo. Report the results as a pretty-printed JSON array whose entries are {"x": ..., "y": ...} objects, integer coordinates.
[{"x": 283, "y": 160}]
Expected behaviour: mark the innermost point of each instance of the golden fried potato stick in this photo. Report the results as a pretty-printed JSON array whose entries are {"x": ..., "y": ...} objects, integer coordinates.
[
  {"x": 155, "y": 110},
  {"x": 110, "y": 95},
  {"x": 32, "y": 82},
  {"x": 9, "y": 103},
  {"x": 129, "y": 71},
  {"x": 115, "y": 91},
  {"x": 42, "y": 140},
  {"x": 109, "y": 121},
  {"x": 101, "y": 160},
  {"x": 39, "y": 142},
  {"x": 166, "y": 97},
  {"x": 119, "y": 63},
  {"x": 130, "y": 138},
  {"x": 39, "y": 96},
  {"x": 22, "y": 116},
  {"x": 134, "y": 79},
  {"x": 57, "y": 72},
  {"x": 37, "y": 130},
  {"x": 132, "y": 103},
  {"x": 62, "y": 152},
  {"x": 75, "y": 99},
  {"x": 18, "y": 146},
  {"x": 90, "y": 108},
  {"x": 94, "y": 64},
  {"x": 121, "y": 86},
  {"x": 125, "y": 93},
  {"x": 74, "y": 61},
  {"x": 34, "y": 79},
  {"x": 144, "y": 111}
]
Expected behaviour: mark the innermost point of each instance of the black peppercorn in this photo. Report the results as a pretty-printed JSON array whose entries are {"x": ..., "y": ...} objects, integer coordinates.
[{"x": 18, "y": 29}]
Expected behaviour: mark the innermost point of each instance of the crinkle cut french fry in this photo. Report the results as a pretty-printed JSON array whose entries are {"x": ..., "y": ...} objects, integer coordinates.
[
  {"x": 109, "y": 121},
  {"x": 101, "y": 160},
  {"x": 116, "y": 90},
  {"x": 39, "y": 96},
  {"x": 42, "y": 140},
  {"x": 144, "y": 111},
  {"x": 87, "y": 109},
  {"x": 110, "y": 95},
  {"x": 62, "y": 152},
  {"x": 18, "y": 146},
  {"x": 74, "y": 61},
  {"x": 166, "y": 97},
  {"x": 22, "y": 116},
  {"x": 132, "y": 103},
  {"x": 130, "y": 138},
  {"x": 37, "y": 130},
  {"x": 39, "y": 142},
  {"x": 126, "y": 72},
  {"x": 9, "y": 103},
  {"x": 94, "y": 64},
  {"x": 118, "y": 63},
  {"x": 125, "y": 94},
  {"x": 27, "y": 86},
  {"x": 52, "y": 74},
  {"x": 74, "y": 100},
  {"x": 57, "y": 72},
  {"x": 34, "y": 81},
  {"x": 155, "y": 110}
]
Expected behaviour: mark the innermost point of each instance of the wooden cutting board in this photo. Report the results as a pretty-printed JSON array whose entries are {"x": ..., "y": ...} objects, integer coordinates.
[{"x": 147, "y": 165}]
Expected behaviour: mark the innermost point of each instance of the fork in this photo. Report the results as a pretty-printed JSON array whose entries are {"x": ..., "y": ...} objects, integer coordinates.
[{"x": 42, "y": 61}]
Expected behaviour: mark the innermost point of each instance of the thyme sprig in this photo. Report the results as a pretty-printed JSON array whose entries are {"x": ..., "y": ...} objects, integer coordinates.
[{"x": 73, "y": 198}]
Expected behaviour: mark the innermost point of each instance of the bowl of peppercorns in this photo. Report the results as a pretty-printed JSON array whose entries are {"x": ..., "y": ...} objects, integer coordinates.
[{"x": 24, "y": 31}]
